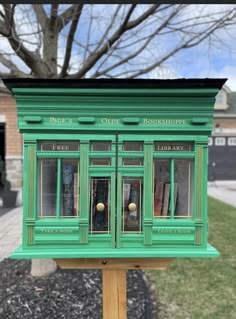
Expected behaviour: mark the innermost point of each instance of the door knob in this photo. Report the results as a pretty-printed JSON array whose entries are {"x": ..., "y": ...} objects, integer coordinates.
[
  {"x": 100, "y": 207},
  {"x": 132, "y": 207}
]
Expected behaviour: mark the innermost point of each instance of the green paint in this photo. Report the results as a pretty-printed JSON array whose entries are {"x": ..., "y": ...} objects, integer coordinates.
[{"x": 115, "y": 116}]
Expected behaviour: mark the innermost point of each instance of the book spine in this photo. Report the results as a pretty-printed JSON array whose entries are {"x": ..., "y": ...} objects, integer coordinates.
[
  {"x": 166, "y": 200},
  {"x": 68, "y": 189},
  {"x": 126, "y": 194},
  {"x": 175, "y": 195},
  {"x": 158, "y": 198},
  {"x": 100, "y": 220},
  {"x": 134, "y": 198},
  {"x": 76, "y": 194}
]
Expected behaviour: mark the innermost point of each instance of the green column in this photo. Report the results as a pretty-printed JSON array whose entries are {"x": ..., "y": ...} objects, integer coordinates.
[
  {"x": 84, "y": 192},
  {"x": 148, "y": 193},
  {"x": 29, "y": 200}
]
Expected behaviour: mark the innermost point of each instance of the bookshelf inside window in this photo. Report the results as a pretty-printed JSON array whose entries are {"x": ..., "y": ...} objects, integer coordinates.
[
  {"x": 99, "y": 205},
  {"x": 47, "y": 187},
  {"x": 58, "y": 188},
  {"x": 98, "y": 146},
  {"x": 133, "y": 146},
  {"x": 132, "y": 205},
  {"x": 173, "y": 188}
]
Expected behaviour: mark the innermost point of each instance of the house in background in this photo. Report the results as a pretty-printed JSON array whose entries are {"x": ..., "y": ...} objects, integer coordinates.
[
  {"x": 222, "y": 143},
  {"x": 11, "y": 148}
]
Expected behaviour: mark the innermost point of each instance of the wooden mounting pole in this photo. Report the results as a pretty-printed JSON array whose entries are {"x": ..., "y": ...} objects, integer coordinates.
[
  {"x": 114, "y": 278},
  {"x": 114, "y": 294}
]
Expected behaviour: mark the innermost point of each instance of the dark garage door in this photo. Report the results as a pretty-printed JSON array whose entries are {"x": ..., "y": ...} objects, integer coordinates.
[{"x": 222, "y": 158}]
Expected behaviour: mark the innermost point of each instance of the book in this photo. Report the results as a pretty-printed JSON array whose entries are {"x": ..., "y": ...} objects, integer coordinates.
[
  {"x": 100, "y": 196},
  {"x": 134, "y": 198},
  {"x": 68, "y": 189},
  {"x": 165, "y": 207},
  {"x": 76, "y": 194},
  {"x": 158, "y": 198},
  {"x": 126, "y": 193}
]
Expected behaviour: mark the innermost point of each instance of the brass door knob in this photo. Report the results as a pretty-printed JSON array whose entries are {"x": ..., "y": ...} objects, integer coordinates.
[
  {"x": 100, "y": 207},
  {"x": 132, "y": 207}
]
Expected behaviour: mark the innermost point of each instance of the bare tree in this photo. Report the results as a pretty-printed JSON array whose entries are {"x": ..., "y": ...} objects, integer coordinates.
[{"x": 92, "y": 41}]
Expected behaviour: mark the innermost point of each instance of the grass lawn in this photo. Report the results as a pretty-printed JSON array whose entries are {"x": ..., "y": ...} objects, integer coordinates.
[{"x": 203, "y": 288}]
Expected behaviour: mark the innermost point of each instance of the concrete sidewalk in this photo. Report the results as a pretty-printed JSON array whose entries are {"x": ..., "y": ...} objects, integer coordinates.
[
  {"x": 10, "y": 232},
  {"x": 224, "y": 191}
]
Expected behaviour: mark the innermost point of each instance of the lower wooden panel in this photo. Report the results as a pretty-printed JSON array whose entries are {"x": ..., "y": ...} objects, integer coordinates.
[{"x": 114, "y": 263}]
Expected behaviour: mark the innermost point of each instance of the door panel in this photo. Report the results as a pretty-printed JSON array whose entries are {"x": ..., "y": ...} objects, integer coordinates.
[
  {"x": 100, "y": 205},
  {"x": 116, "y": 176}
]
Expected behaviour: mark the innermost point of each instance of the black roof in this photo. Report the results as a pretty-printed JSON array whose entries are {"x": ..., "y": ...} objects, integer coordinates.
[{"x": 114, "y": 83}]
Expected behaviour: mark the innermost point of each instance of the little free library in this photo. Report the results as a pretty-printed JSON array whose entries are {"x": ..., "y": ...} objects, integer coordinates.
[{"x": 115, "y": 168}]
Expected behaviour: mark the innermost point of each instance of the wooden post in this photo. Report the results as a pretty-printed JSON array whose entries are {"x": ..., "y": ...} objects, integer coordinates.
[
  {"x": 114, "y": 294},
  {"x": 114, "y": 278}
]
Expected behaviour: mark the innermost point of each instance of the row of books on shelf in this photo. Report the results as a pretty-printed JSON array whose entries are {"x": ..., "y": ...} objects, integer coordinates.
[
  {"x": 131, "y": 193},
  {"x": 70, "y": 190},
  {"x": 162, "y": 198}
]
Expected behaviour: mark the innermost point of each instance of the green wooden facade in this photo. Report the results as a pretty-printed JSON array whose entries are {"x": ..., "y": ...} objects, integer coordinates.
[{"x": 115, "y": 168}]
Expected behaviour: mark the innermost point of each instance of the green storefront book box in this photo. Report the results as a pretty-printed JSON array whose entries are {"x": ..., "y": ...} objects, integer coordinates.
[{"x": 115, "y": 168}]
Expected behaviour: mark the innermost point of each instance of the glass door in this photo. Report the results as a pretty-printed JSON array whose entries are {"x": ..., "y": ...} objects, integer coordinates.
[
  {"x": 102, "y": 188},
  {"x": 116, "y": 172},
  {"x": 130, "y": 188}
]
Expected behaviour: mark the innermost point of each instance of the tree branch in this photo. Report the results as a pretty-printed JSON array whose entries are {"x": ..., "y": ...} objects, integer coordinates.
[
  {"x": 31, "y": 60},
  {"x": 140, "y": 49},
  {"x": 126, "y": 25},
  {"x": 108, "y": 28},
  {"x": 41, "y": 15},
  {"x": 65, "y": 17},
  {"x": 14, "y": 71},
  {"x": 74, "y": 24},
  {"x": 53, "y": 17}
]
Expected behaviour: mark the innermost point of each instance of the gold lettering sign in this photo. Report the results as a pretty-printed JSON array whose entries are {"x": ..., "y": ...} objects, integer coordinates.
[
  {"x": 164, "y": 121},
  {"x": 173, "y": 147},
  {"x": 146, "y": 121},
  {"x": 175, "y": 231},
  {"x": 106, "y": 120},
  {"x": 59, "y": 146},
  {"x": 55, "y": 231},
  {"x": 60, "y": 120}
]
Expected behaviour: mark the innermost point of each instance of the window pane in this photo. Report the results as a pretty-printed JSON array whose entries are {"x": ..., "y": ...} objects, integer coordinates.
[
  {"x": 183, "y": 203},
  {"x": 47, "y": 187},
  {"x": 100, "y": 161},
  {"x": 132, "y": 204},
  {"x": 59, "y": 146},
  {"x": 99, "y": 205},
  {"x": 100, "y": 146},
  {"x": 161, "y": 187},
  {"x": 232, "y": 141},
  {"x": 70, "y": 188},
  {"x": 220, "y": 141},
  {"x": 133, "y": 161},
  {"x": 173, "y": 146},
  {"x": 133, "y": 146}
]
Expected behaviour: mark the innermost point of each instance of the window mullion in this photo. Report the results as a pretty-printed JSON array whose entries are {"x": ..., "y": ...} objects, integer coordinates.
[{"x": 172, "y": 187}]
